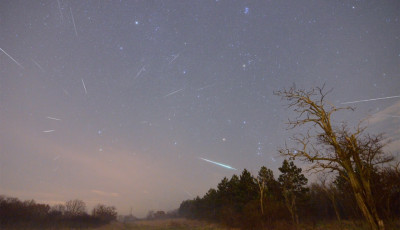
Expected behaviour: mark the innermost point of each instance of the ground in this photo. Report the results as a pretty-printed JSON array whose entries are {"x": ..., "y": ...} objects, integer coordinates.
[
  {"x": 167, "y": 224},
  {"x": 185, "y": 224}
]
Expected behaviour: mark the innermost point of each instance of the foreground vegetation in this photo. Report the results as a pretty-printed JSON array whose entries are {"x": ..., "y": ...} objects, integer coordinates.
[
  {"x": 16, "y": 214},
  {"x": 359, "y": 181},
  {"x": 186, "y": 224},
  {"x": 359, "y": 189}
]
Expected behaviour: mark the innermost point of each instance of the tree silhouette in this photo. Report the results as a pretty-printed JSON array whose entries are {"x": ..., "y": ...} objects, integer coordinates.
[
  {"x": 292, "y": 182},
  {"x": 75, "y": 207},
  {"x": 348, "y": 151},
  {"x": 105, "y": 213},
  {"x": 264, "y": 179}
]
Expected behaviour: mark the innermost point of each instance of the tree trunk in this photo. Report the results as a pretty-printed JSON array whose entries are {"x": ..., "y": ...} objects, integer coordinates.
[
  {"x": 333, "y": 200},
  {"x": 261, "y": 202},
  {"x": 364, "y": 203},
  {"x": 291, "y": 205}
]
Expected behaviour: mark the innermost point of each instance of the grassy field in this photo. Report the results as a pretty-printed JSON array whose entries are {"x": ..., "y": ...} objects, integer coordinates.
[
  {"x": 167, "y": 224},
  {"x": 184, "y": 224}
]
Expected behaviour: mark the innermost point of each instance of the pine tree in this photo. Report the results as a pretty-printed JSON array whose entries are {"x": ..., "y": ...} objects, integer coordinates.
[{"x": 293, "y": 185}]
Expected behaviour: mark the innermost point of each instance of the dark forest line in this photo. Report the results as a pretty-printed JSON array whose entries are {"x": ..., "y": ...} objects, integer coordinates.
[
  {"x": 263, "y": 201},
  {"x": 362, "y": 179},
  {"x": 28, "y": 214}
]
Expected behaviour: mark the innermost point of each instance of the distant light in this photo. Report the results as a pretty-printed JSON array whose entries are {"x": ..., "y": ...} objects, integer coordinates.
[{"x": 137, "y": 22}]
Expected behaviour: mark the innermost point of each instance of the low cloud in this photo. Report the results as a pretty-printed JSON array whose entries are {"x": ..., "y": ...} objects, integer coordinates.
[
  {"x": 102, "y": 193},
  {"x": 388, "y": 121},
  {"x": 388, "y": 114}
]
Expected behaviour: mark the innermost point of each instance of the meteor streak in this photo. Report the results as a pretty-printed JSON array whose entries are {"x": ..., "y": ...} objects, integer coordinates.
[
  {"x": 84, "y": 86},
  {"x": 172, "y": 93},
  {"x": 59, "y": 9},
  {"x": 140, "y": 71},
  {"x": 11, "y": 58},
  {"x": 373, "y": 99},
  {"x": 73, "y": 21},
  {"x": 207, "y": 86},
  {"x": 173, "y": 59},
  {"x": 37, "y": 64},
  {"x": 219, "y": 164},
  {"x": 53, "y": 118},
  {"x": 48, "y": 131}
]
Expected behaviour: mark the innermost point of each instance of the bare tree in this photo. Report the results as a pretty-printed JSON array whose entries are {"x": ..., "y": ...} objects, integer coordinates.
[
  {"x": 58, "y": 209},
  {"x": 75, "y": 207},
  {"x": 352, "y": 153},
  {"x": 105, "y": 213},
  {"x": 330, "y": 190}
]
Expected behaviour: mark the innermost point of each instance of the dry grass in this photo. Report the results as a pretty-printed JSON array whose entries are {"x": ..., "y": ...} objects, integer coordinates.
[
  {"x": 167, "y": 224},
  {"x": 185, "y": 224}
]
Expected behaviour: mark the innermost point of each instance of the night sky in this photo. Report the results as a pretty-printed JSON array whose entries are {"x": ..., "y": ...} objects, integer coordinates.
[{"x": 122, "y": 103}]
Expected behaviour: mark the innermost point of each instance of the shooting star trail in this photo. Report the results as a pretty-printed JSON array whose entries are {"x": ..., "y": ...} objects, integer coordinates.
[
  {"x": 66, "y": 92},
  {"x": 53, "y": 118},
  {"x": 84, "y": 86},
  {"x": 140, "y": 71},
  {"x": 12, "y": 58},
  {"x": 219, "y": 164},
  {"x": 172, "y": 93},
  {"x": 49, "y": 131},
  {"x": 73, "y": 21},
  {"x": 173, "y": 59},
  {"x": 188, "y": 193},
  {"x": 59, "y": 9},
  {"x": 207, "y": 86},
  {"x": 37, "y": 64},
  {"x": 373, "y": 99}
]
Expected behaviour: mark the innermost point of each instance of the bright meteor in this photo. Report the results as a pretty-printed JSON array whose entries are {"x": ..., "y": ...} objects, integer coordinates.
[
  {"x": 219, "y": 164},
  {"x": 373, "y": 99},
  {"x": 172, "y": 93},
  {"x": 11, "y": 58}
]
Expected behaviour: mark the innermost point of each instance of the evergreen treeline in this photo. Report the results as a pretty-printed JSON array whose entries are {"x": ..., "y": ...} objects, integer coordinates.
[
  {"x": 31, "y": 215},
  {"x": 262, "y": 201}
]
